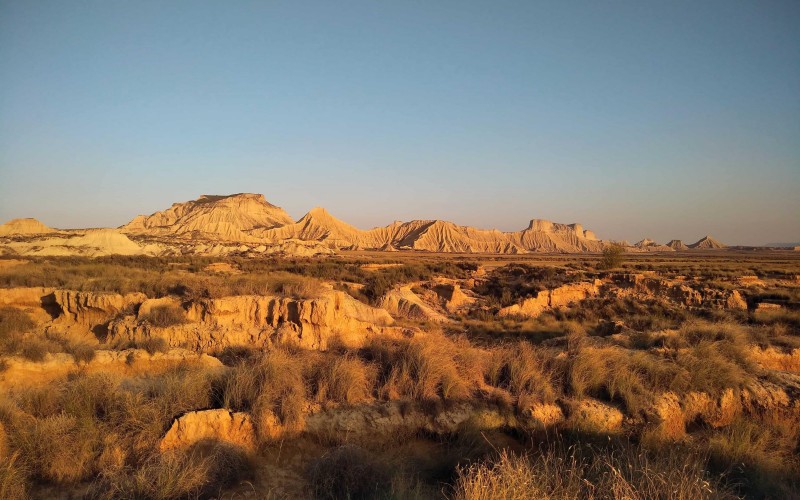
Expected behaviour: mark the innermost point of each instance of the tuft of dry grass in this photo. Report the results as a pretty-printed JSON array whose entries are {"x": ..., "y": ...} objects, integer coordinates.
[
  {"x": 165, "y": 316},
  {"x": 273, "y": 384},
  {"x": 202, "y": 471},
  {"x": 13, "y": 478},
  {"x": 559, "y": 471},
  {"x": 521, "y": 369},
  {"x": 423, "y": 369},
  {"x": 344, "y": 378}
]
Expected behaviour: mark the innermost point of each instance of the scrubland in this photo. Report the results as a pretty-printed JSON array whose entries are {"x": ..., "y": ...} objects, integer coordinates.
[{"x": 661, "y": 386}]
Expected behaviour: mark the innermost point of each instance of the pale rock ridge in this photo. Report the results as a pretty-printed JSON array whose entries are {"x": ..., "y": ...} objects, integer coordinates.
[
  {"x": 649, "y": 245},
  {"x": 437, "y": 236},
  {"x": 24, "y": 226},
  {"x": 706, "y": 243},
  {"x": 642, "y": 286},
  {"x": 246, "y": 224},
  {"x": 88, "y": 243},
  {"x": 226, "y": 218},
  {"x": 677, "y": 245}
]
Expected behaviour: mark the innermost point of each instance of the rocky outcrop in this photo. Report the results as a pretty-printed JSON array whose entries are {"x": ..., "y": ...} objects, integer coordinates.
[
  {"x": 37, "y": 302},
  {"x": 91, "y": 311},
  {"x": 234, "y": 428},
  {"x": 594, "y": 416},
  {"x": 551, "y": 299},
  {"x": 21, "y": 372},
  {"x": 453, "y": 298},
  {"x": 213, "y": 324},
  {"x": 24, "y": 227},
  {"x": 644, "y": 286},
  {"x": 403, "y": 302},
  {"x": 677, "y": 245},
  {"x": 773, "y": 359}
]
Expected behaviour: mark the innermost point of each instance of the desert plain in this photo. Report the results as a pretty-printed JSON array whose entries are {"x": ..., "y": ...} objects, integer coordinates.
[{"x": 219, "y": 349}]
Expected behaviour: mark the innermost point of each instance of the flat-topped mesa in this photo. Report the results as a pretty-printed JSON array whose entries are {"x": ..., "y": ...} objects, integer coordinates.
[
  {"x": 542, "y": 225},
  {"x": 24, "y": 226},
  {"x": 214, "y": 217}
]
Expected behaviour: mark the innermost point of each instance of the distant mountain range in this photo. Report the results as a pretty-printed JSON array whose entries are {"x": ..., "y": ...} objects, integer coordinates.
[{"x": 250, "y": 221}]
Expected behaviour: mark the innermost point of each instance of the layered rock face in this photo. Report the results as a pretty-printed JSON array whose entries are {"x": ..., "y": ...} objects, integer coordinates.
[
  {"x": 436, "y": 236},
  {"x": 22, "y": 373},
  {"x": 225, "y": 218},
  {"x": 551, "y": 299},
  {"x": 405, "y": 303},
  {"x": 212, "y": 324},
  {"x": 678, "y": 291}
]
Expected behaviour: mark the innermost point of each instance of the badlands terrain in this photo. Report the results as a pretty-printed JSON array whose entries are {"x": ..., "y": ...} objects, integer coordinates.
[
  {"x": 248, "y": 225},
  {"x": 218, "y": 349}
]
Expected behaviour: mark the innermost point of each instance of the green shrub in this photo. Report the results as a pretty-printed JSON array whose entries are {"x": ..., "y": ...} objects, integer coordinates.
[{"x": 611, "y": 257}]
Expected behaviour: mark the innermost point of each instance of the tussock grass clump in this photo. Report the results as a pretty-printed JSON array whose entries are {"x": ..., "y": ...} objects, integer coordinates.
[
  {"x": 633, "y": 377},
  {"x": 152, "y": 344},
  {"x": 83, "y": 352},
  {"x": 202, "y": 471},
  {"x": 14, "y": 321},
  {"x": 344, "y": 378},
  {"x": 13, "y": 477},
  {"x": 272, "y": 384},
  {"x": 422, "y": 369},
  {"x": 522, "y": 369},
  {"x": 59, "y": 448},
  {"x": 558, "y": 471},
  {"x": 761, "y": 453},
  {"x": 37, "y": 349}
]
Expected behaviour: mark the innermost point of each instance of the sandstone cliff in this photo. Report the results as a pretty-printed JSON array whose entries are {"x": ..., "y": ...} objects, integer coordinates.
[{"x": 212, "y": 324}]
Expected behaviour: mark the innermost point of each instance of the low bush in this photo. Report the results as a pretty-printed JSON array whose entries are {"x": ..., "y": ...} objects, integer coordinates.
[{"x": 200, "y": 472}]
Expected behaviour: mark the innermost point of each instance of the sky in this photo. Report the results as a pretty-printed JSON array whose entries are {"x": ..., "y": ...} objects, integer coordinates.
[{"x": 635, "y": 118}]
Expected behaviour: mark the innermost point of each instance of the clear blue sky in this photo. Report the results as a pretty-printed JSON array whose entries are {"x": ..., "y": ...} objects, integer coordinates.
[{"x": 665, "y": 119}]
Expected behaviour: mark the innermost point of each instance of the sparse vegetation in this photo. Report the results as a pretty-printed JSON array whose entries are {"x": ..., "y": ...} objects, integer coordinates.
[{"x": 727, "y": 435}]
